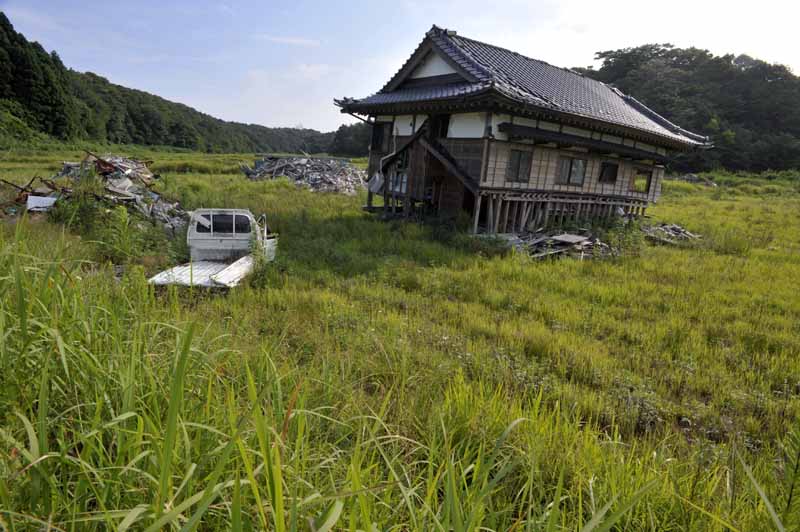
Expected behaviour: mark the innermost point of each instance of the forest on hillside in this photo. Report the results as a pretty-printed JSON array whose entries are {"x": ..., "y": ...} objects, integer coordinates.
[
  {"x": 749, "y": 108},
  {"x": 40, "y": 96}
]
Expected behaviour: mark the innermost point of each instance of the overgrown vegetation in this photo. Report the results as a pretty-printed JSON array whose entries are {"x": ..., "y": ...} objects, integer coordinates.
[{"x": 394, "y": 375}]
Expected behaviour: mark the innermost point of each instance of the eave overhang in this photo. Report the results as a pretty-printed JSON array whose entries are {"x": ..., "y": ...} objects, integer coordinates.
[
  {"x": 488, "y": 98},
  {"x": 519, "y": 132}
]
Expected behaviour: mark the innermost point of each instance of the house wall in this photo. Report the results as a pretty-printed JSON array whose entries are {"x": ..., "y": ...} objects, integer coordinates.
[
  {"x": 467, "y": 126},
  {"x": 432, "y": 65},
  {"x": 544, "y": 168},
  {"x": 467, "y": 134},
  {"x": 406, "y": 125}
]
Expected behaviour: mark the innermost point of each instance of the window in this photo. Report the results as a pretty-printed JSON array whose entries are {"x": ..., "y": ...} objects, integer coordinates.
[
  {"x": 242, "y": 224},
  {"x": 203, "y": 224},
  {"x": 519, "y": 166},
  {"x": 608, "y": 172},
  {"x": 571, "y": 171},
  {"x": 223, "y": 223},
  {"x": 640, "y": 182}
]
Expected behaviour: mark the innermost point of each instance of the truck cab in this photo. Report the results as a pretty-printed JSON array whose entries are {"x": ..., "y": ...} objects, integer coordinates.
[{"x": 227, "y": 235}]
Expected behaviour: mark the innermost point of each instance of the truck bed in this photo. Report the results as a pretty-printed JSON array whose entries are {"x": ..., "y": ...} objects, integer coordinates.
[{"x": 208, "y": 274}]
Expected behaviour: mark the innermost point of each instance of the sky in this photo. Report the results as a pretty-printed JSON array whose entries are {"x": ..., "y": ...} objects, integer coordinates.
[{"x": 280, "y": 63}]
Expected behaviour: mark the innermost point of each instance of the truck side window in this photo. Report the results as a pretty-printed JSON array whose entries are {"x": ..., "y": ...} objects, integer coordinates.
[
  {"x": 204, "y": 224},
  {"x": 223, "y": 223},
  {"x": 242, "y": 224}
]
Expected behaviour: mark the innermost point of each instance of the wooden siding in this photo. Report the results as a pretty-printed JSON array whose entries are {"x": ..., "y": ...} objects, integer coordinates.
[
  {"x": 468, "y": 154},
  {"x": 544, "y": 170}
]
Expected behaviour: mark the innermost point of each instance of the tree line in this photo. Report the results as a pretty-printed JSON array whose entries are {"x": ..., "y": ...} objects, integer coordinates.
[
  {"x": 749, "y": 108},
  {"x": 39, "y": 94}
]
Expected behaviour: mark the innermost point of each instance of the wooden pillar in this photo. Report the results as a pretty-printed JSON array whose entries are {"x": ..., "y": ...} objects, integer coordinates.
[
  {"x": 546, "y": 217},
  {"x": 407, "y": 193},
  {"x": 514, "y": 208},
  {"x": 490, "y": 214},
  {"x": 386, "y": 185},
  {"x": 477, "y": 213},
  {"x": 498, "y": 210},
  {"x": 523, "y": 221}
]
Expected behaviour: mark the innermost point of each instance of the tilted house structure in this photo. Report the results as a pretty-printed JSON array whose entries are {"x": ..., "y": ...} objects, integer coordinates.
[{"x": 513, "y": 141}]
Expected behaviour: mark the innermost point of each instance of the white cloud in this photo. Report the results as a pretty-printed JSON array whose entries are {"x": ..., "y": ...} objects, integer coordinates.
[{"x": 292, "y": 41}]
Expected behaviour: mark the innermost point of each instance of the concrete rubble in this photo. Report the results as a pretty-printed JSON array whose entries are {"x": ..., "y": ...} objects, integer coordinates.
[
  {"x": 670, "y": 234},
  {"x": 320, "y": 174},
  {"x": 125, "y": 181}
]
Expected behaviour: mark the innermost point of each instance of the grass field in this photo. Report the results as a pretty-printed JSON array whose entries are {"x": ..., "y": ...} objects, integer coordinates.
[{"x": 395, "y": 376}]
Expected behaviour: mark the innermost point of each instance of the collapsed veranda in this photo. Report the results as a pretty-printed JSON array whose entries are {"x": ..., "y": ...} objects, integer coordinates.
[{"x": 512, "y": 141}]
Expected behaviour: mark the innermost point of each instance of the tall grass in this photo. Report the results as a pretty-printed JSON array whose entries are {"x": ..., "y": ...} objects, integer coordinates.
[{"x": 386, "y": 376}]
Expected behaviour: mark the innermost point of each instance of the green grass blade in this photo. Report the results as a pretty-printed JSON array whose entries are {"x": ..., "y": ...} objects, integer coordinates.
[
  {"x": 326, "y": 521},
  {"x": 599, "y": 523},
  {"x": 776, "y": 520},
  {"x": 176, "y": 396}
]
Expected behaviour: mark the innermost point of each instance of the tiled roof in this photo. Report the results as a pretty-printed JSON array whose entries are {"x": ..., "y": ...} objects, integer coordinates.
[
  {"x": 419, "y": 94},
  {"x": 532, "y": 82}
]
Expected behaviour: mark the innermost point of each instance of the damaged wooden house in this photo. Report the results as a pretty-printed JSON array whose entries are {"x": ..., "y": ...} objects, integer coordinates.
[{"x": 512, "y": 141}]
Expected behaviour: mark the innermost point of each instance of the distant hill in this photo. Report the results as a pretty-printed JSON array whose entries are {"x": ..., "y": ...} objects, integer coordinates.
[
  {"x": 40, "y": 96},
  {"x": 750, "y": 108}
]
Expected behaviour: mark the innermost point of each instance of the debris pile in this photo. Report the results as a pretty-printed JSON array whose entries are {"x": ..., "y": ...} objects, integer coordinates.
[
  {"x": 555, "y": 243},
  {"x": 32, "y": 198},
  {"x": 667, "y": 234},
  {"x": 319, "y": 174},
  {"x": 582, "y": 244},
  {"x": 125, "y": 182}
]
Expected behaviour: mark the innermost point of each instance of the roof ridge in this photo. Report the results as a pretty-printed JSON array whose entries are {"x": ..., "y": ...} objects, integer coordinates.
[
  {"x": 493, "y": 74},
  {"x": 508, "y": 50}
]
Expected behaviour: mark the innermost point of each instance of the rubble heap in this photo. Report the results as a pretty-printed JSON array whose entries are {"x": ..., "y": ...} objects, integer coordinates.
[
  {"x": 319, "y": 174},
  {"x": 126, "y": 182},
  {"x": 583, "y": 244},
  {"x": 554, "y": 243},
  {"x": 667, "y": 234}
]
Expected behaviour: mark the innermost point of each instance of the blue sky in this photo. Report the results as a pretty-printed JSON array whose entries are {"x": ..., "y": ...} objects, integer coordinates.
[{"x": 281, "y": 63}]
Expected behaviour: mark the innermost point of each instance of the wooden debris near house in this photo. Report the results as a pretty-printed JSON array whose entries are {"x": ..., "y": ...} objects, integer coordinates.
[
  {"x": 322, "y": 174},
  {"x": 583, "y": 244},
  {"x": 557, "y": 243}
]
